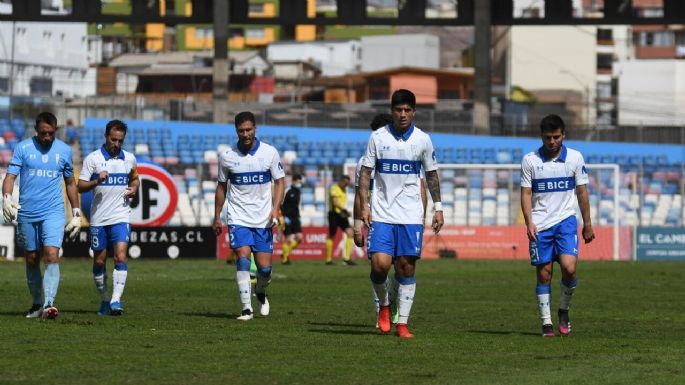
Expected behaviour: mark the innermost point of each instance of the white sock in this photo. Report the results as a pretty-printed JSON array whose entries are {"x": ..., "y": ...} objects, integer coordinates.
[
  {"x": 567, "y": 290},
  {"x": 118, "y": 284},
  {"x": 405, "y": 293},
  {"x": 244, "y": 288},
  {"x": 101, "y": 286},
  {"x": 376, "y": 301},
  {"x": 380, "y": 289},
  {"x": 544, "y": 309}
]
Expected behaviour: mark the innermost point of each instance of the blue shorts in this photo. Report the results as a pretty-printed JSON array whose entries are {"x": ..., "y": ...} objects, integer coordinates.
[
  {"x": 395, "y": 240},
  {"x": 259, "y": 240},
  {"x": 561, "y": 238},
  {"x": 105, "y": 237},
  {"x": 48, "y": 232}
]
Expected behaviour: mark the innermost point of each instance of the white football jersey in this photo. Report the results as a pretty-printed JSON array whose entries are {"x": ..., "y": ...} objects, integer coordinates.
[
  {"x": 553, "y": 183},
  {"x": 248, "y": 176},
  {"x": 109, "y": 206},
  {"x": 397, "y": 161}
]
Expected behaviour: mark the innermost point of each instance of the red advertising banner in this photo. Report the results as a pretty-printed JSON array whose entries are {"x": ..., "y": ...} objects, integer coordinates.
[
  {"x": 313, "y": 244},
  {"x": 511, "y": 242},
  {"x": 477, "y": 242}
]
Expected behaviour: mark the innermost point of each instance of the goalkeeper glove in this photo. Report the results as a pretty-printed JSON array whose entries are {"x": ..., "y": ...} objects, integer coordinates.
[
  {"x": 74, "y": 226},
  {"x": 10, "y": 208}
]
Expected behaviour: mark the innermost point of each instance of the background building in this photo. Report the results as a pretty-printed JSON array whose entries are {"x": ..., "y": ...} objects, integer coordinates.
[{"x": 45, "y": 59}]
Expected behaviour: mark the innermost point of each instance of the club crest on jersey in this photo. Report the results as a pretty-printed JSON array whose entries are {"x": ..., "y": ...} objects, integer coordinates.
[{"x": 44, "y": 158}]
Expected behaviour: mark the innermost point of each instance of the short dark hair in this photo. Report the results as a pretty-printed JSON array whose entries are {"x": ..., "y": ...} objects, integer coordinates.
[
  {"x": 403, "y": 96},
  {"x": 243, "y": 117},
  {"x": 380, "y": 120},
  {"x": 552, "y": 122},
  {"x": 116, "y": 125},
  {"x": 296, "y": 177},
  {"x": 46, "y": 117},
  {"x": 345, "y": 177}
]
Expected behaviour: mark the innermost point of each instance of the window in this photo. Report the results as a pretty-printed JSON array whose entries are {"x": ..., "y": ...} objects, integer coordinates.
[
  {"x": 254, "y": 33},
  {"x": 202, "y": 33},
  {"x": 605, "y": 62},
  {"x": 441, "y": 9},
  {"x": 41, "y": 86},
  {"x": 604, "y": 90},
  {"x": 604, "y": 34},
  {"x": 657, "y": 39},
  {"x": 256, "y": 8},
  {"x": 4, "y": 85},
  {"x": 529, "y": 9},
  {"x": 448, "y": 94},
  {"x": 169, "y": 7}
]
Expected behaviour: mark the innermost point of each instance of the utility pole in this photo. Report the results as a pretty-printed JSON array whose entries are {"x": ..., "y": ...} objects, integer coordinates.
[
  {"x": 483, "y": 63},
  {"x": 11, "y": 79},
  {"x": 220, "y": 66}
]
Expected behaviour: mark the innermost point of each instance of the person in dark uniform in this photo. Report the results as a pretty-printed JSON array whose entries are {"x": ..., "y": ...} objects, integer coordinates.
[{"x": 290, "y": 209}]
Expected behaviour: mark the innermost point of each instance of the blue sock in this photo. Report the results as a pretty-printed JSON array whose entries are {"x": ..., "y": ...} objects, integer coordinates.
[
  {"x": 242, "y": 264},
  {"x": 50, "y": 283},
  {"x": 35, "y": 282},
  {"x": 264, "y": 271}
]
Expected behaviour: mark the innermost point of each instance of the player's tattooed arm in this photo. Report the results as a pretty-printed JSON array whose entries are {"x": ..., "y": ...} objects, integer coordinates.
[
  {"x": 433, "y": 183},
  {"x": 362, "y": 193}
]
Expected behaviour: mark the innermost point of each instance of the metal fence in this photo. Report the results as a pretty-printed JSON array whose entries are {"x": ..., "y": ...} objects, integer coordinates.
[{"x": 453, "y": 117}]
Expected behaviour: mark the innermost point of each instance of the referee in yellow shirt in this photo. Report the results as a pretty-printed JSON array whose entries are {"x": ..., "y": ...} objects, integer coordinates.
[{"x": 338, "y": 217}]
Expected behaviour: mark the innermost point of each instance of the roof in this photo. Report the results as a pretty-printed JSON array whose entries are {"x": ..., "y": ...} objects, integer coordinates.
[
  {"x": 359, "y": 78},
  {"x": 176, "y": 70},
  {"x": 181, "y": 57}
]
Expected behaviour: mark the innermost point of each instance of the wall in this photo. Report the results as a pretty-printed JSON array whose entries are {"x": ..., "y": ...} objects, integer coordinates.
[
  {"x": 542, "y": 57},
  {"x": 334, "y": 58},
  {"x": 383, "y": 52},
  {"x": 651, "y": 92}
]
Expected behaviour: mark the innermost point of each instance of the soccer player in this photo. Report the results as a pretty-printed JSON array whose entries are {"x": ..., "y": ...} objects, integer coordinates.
[
  {"x": 110, "y": 172},
  {"x": 338, "y": 217},
  {"x": 252, "y": 207},
  {"x": 290, "y": 209},
  {"x": 42, "y": 162},
  {"x": 380, "y": 120},
  {"x": 550, "y": 177},
  {"x": 397, "y": 152}
]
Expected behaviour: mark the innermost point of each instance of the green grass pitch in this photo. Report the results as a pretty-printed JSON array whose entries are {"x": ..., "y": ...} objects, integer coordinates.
[{"x": 475, "y": 322}]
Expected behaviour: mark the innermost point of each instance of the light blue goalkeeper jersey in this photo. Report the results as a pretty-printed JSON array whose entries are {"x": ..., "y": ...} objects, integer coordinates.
[{"x": 41, "y": 171}]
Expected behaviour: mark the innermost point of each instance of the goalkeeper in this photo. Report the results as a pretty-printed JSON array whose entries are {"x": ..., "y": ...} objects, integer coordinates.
[{"x": 41, "y": 162}]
